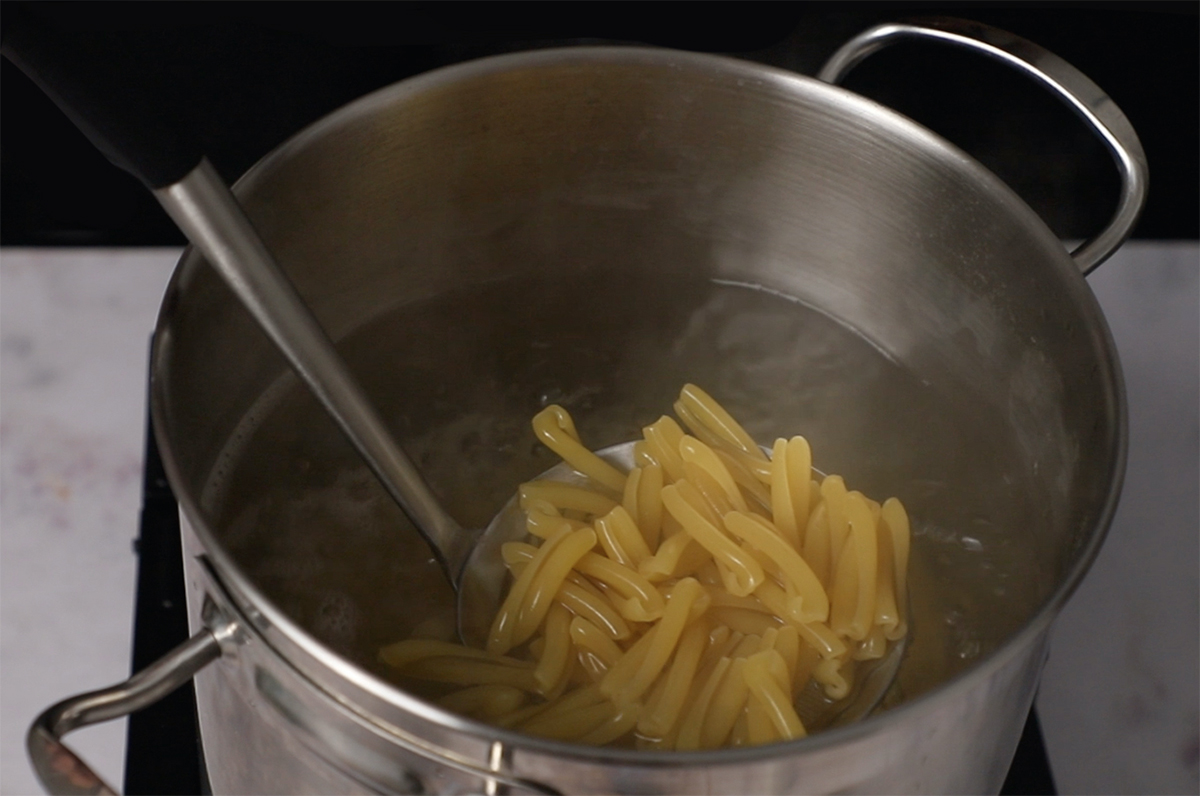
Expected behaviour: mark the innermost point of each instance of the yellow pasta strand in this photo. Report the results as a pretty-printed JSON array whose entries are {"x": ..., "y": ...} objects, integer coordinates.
[
  {"x": 669, "y": 562},
  {"x": 744, "y": 572},
  {"x": 693, "y": 722},
  {"x": 593, "y": 669},
  {"x": 799, "y": 461},
  {"x": 895, "y": 519},
  {"x": 787, "y": 644},
  {"x": 581, "y": 697},
  {"x": 814, "y": 602},
  {"x": 551, "y": 575},
  {"x": 501, "y": 633},
  {"x": 571, "y": 725},
  {"x": 621, "y": 539},
  {"x": 621, "y": 723},
  {"x": 543, "y": 520},
  {"x": 514, "y": 717},
  {"x": 402, "y": 653},
  {"x": 695, "y": 498},
  {"x": 649, "y": 505},
  {"x": 576, "y": 594},
  {"x": 701, "y": 456},
  {"x": 843, "y": 594},
  {"x": 696, "y": 426},
  {"x": 714, "y": 497},
  {"x": 829, "y": 673},
  {"x": 872, "y": 647},
  {"x": 633, "y": 480},
  {"x": 554, "y": 427},
  {"x": 759, "y": 727},
  {"x": 817, "y": 544},
  {"x": 806, "y": 662},
  {"x": 686, "y": 598},
  {"x": 642, "y": 456},
  {"x": 641, "y": 601},
  {"x": 723, "y": 599},
  {"x": 745, "y": 476},
  {"x": 815, "y": 634},
  {"x": 722, "y": 641},
  {"x": 485, "y": 701},
  {"x": 782, "y": 509},
  {"x": 662, "y": 442},
  {"x": 714, "y": 417},
  {"x": 663, "y": 712},
  {"x": 593, "y": 606},
  {"x": 791, "y": 462},
  {"x": 745, "y": 621},
  {"x": 887, "y": 615},
  {"x": 586, "y": 636},
  {"x": 821, "y": 637},
  {"x": 750, "y": 644},
  {"x": 866, "y": 548},
  {"x": 834, "y": 496},
  {"x": 740, "y": 735},
  {"x": 621, "y": 673},
  {"x": 727, "y": 703},
  {"x": 551, "y": 669},
  {"x": 566, "y": 497},
  {"x": 762, "y": 677},
  {"x": 468, "y": 671}
]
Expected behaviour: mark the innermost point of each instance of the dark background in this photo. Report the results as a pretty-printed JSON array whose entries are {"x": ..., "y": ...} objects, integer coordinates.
[{"x": 252, "y": 74}]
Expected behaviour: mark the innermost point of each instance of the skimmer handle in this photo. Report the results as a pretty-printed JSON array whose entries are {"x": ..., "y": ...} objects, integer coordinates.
[{"x": 124, "y": 107}]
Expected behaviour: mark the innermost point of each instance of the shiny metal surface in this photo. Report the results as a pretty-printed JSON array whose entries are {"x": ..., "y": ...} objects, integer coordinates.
[
  {"x": 58, "y": 768},
  {"x": 267, "y": 727},
  {"x": 1082, "y": 95},
  {"x": 818, "y": 262},
  {"x": 202, "y": 206}
]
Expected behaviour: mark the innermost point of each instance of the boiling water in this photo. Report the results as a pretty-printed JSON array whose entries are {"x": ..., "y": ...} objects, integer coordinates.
[{"x": 458, "y": 378}]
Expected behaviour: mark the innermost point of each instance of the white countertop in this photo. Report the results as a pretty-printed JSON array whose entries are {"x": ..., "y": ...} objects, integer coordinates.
[{"x": 1119, "y": 699}]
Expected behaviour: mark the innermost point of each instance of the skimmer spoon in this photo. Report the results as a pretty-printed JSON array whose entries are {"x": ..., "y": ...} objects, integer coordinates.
[{"x": 118, "y": 105}]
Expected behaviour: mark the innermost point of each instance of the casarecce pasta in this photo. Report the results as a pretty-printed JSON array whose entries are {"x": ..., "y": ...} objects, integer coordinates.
[{"x": 684, "y": 604}]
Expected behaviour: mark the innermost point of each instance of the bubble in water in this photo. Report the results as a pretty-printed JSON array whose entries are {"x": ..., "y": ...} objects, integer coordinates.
[
  {"x": 336, "y": 618},
  {"x": 551, "y": 396},
  {"x": 937, "y": 533},
  {"x": 972, "y": 544}
]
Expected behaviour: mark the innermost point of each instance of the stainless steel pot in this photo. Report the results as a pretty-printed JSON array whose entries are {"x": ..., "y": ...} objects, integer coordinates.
[{"x": 594, "y": 227}]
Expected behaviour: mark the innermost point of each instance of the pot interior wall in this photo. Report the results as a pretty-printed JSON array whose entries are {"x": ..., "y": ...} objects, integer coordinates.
[{"x": 595, "y": 231}]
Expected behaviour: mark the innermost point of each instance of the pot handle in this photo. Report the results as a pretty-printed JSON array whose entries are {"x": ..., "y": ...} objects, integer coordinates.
[
  {"x": 1082, "y": 95},
  {"x": 58, "y": 768}
]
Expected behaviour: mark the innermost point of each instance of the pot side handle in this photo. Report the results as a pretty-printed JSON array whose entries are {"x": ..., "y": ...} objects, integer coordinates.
[
  {"x": 1082, "y": 95},
  {"x": 59, "y": 769}
]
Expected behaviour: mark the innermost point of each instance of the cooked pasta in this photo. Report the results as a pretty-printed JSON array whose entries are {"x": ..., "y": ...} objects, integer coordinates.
[{"x": 711, "y": 596}]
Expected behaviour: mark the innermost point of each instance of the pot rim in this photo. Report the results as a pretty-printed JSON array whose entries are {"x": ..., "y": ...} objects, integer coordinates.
[{"x": 266, "y": 622}]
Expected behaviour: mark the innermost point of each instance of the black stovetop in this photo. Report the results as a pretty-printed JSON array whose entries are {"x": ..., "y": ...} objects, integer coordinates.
[{"x": 164, "y": 753}]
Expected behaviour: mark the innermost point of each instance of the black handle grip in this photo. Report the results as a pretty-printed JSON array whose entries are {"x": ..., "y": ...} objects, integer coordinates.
[{"x": 123, "y": 103}]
